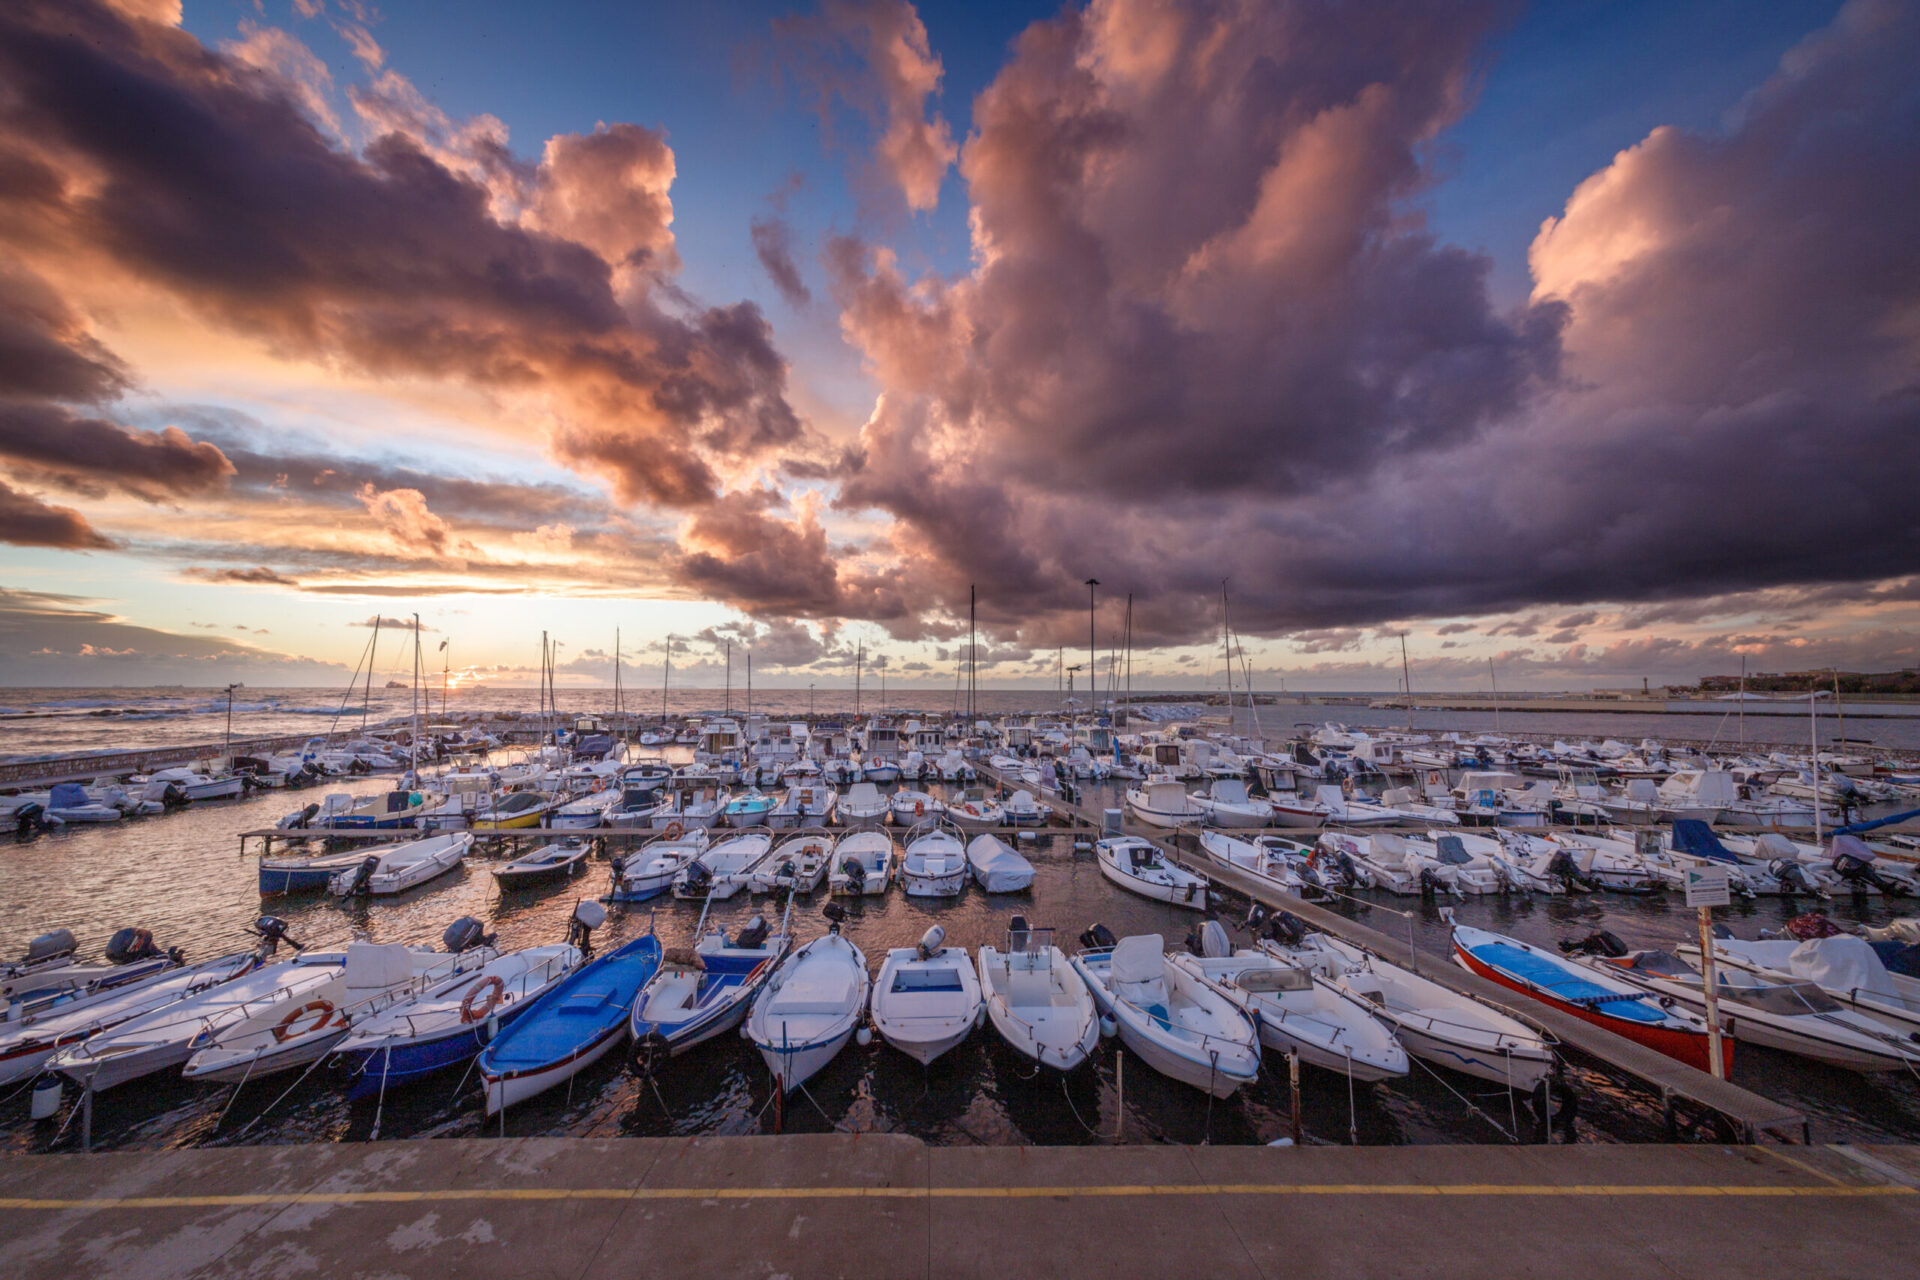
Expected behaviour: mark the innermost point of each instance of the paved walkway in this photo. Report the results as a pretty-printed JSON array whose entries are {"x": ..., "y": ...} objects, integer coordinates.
[{"x": 886, "y": 1206}]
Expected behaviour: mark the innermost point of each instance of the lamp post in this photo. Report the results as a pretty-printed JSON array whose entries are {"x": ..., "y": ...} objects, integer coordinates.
[
  {"x": 1092, "y": 660},
  {"x": 809, "y": 702},
  {"x": 229, "y": 742}
]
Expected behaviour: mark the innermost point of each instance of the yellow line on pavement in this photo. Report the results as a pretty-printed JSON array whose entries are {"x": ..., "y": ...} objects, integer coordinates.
[{"x": 1124, "y": 1190}]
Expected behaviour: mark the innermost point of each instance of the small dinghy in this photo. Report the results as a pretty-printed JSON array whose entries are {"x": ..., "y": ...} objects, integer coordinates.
[
  {"x": 749, "y": 810},
  {"x": 724, "y": 867},
  {"x": 864, "y": 806},
  {"x": 809, "y": 1011},
  {"x": 1602, "y": 999},
  {"x": 301, "y": 1026},
  {"x": 569, "y": 1028},
  {"x": 798, "y": 863},
  {"x": 1140, "y": 867},
  {"x": 936, "y": 862},
  {"x": 927, "y": 998},
  {"x": 700, "y": 992},
  {"x": 864, "y": 863},
  {"x": 649, "y": 871},
  {"x": 561, "y": 860},
  {"x": 402, "y": 867},
  {"x": 1180, "y": 1026},
  {"x": 910, "y": 807},
  {"x": 29, "y": 1041},
  {"x": 996, "y": 867},
  {"x": 69, "y": 802},
  {"x": 1036, "y": 1000},
  {"x": 1022, "y": 810},
  {"x": 1298, "y": 1011},
  {"x": 305, "y": 873},
  {"x": 1435, "y": 1023},
  {"x": 451, "y": 1020}
]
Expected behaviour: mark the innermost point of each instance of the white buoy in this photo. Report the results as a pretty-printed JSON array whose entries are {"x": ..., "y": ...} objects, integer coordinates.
[
  {"x": 1281, "y": 1142},
  {"x": 1108, "y": 1027},
  {"x": 864, "y": 1036},
  {"x": 47, "y": 1093}
]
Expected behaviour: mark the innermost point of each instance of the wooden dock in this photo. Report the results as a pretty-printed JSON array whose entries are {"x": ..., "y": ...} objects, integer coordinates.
[{"x": 1671, "y": 1080}]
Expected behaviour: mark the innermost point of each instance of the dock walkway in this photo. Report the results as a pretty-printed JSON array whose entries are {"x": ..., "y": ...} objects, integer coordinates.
[{"x": 886, "y": 1205}]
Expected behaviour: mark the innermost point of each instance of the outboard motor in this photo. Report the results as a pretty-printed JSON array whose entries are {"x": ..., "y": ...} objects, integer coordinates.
[
  {"x": 836, "y": 916},
  {"x": 929, "y": 944},
  {"x": 1209, "y": 940},
  {"x": 1600, "y": 942},
  {"x": 307, "y": 816},
  {"x": 699, "y": 876},
  {"x": 464, "y": 933},
  {"x": 362, "y": 875},
  {"x": 128, "y": 945},
  {"x": 1095, "y": 937},
  {"x": 587, "y": 916},
  {"x": 787, "y": 871},
  {"x": 174, "y": 795},
  {"x": 50, "y": 946},
  {"x": 272, "y": 931},
  {"x": 856, "y": 873},
  {"x": 753, "y": 934},
  {"x": 1287, "y": 929},
  {"x": 1791, "y": 876},
  {"x": 31, "y": 819},
  {"x": 1563, "y": 868},
  {"x": 1853, "y": 863}
]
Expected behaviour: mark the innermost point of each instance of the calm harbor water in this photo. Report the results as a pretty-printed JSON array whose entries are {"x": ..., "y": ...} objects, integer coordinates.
[{"x": 182, "y": 877}]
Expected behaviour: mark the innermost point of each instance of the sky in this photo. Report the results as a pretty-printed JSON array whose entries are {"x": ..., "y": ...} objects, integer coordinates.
[{"x": 1573, "y": 345}]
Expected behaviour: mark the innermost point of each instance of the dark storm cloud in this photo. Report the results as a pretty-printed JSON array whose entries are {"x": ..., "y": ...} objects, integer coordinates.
[{"x": 26, "y": 521}]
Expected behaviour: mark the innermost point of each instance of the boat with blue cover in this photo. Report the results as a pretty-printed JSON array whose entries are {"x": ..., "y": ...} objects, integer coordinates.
[
  {"x": 1613, "y": 1003},
  {"x": 700, "y": 992},
  {"x": 572, "y": 1026}
]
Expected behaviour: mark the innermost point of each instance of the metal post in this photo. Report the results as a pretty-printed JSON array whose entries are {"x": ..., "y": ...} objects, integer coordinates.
[
  {"x": 1714, "y": 1059},
  {"x": 1293, "y": 1089},
  {"x": 86, "y": 1117},
  {"x": 1119, "y": 1091}
]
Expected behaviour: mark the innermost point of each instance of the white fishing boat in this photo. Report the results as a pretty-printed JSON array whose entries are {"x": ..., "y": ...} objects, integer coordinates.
[
  {"x": 686, "y": 812},
  {"x": 585, "y": 812},
  {"x": 1164, "y": 802},
  {"x": 649, "y": 871},
  {"x": 400, "y": 867},
  {"x": 1291, "y": 809},
  {"x": 1140, "y": 867},
  {"x": 1226, "y": 803},
  {"x": 276, "y": 1034},
  {"x": 1297, "y": 1011},
  {"x": 809, "y": 804},
  {"x": 927, "y": 998},
  {"x": 864, "y": 806},
  {"x": 1036, "y": 1000},
  {"x": 864, "y": 862},
  {"x": 935, "y": 863},
  {"x": 1846, "y": 968},
  {"x": 996, "y": 867},
  {"x": 1282, "y": 864},
  {"x": 799, "y": 863},
  {"x": 1021, "y": 809},
  {"x": 911, "y": 806},
  {"x": 1179, "y": 1025},
  {"x": 724, "y": 867},
  {"x": 166, "y": 785},
  {"x": 1434, "y": 1022},
  {"x": 699, "y": 993},
  {"x": 809, "y": 1010},
  {"x": 953, "y": 767},
  {"x": 976, "y": 810},
  {"x": 751, "y": 809},
  {"x": 561, "y": 860}
]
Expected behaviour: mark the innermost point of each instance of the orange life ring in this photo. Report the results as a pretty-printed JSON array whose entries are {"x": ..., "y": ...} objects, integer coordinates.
[
  {"x": 919, "y": 808},
  {"x": 494, "y": 988},
  {"x": 674, "y": 831},
  {"x": 599, "y": 784},
  {"x": 285, "y": 1030}
]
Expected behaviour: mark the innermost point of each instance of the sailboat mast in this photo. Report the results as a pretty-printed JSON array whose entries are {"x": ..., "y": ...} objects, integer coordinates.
[
  {"x": 859, "y": 657},
  {"x": 1406, "y": 678},
  {"x": 1840, "y": 711},
  {"x": 616, "y": 679},
  {"x": 1495, "y": 681},
  {"x": 1813, "y": 757},
  {"x": 666, "y": 675},
  {"x": 371, "y": 652},
  {"x": 729, "y": 693},
  {"x": 973, "y": 651},
  {"x": 416, "y": 697},
  {"x": 1129, "y": 648},
  {"x": 1743, "y": 704}
]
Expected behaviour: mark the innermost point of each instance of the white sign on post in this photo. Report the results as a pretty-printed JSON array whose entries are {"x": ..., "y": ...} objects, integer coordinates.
[{"x": 1707, "y": 887}]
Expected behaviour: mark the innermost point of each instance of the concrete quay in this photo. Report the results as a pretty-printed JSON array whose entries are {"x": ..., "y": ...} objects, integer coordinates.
[{"x": 888, "y": 1206}]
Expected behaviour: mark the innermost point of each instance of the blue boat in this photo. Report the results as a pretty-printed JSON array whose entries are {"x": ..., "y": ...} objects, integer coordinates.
[
  {"x": 699, "y": 994},
  {"x": 569, "y": 1028},
  {"x": 306, "y": 874}
]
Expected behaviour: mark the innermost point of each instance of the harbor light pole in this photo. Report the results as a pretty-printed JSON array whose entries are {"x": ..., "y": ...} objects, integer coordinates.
[
  {"x": 229, "y": 742},
  {"x": 1092, "y": 658}
]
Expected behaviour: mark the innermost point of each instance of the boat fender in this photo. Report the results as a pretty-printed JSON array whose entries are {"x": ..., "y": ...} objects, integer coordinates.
[
  {"x": 1108, "y": 1027},
  {"x": 864, "y": 1036},
  {"x": 285, "y": 1029},
  {"x": 47, "y": 1092},
  {"x": 482, "y": 1000}
]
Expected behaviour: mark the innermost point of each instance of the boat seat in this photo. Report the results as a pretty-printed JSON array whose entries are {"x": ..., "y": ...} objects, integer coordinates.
[
  {"x": 1030, "y": 988},
  {"x": 803, "y": 994},
  {"x": 584, "y": 1002}
]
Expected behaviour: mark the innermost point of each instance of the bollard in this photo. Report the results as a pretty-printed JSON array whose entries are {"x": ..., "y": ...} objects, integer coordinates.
[
  {"x": 1293, "y": 1087},
  {"x": 1119, "y": 1092}
]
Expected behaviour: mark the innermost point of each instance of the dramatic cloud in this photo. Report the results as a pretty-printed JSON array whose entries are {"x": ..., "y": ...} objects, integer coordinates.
[
  {"x": 773, "y": 244},
  {"x": 260, "y": 576},
  {"x": 404, "y": 515},
  {"x": 874, "y": 55},
  {"x": 26, "y": 521}
]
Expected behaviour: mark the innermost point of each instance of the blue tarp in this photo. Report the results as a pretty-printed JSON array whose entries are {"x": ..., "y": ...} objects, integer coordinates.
[{"x": 1690, "y": 835}]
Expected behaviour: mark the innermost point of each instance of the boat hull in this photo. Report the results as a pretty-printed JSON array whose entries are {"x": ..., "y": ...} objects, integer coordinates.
[
  {"x": 793, "y": 1066},
  {"x": 508, "y": 1089},
  {"x": 1193, "y": 896}
]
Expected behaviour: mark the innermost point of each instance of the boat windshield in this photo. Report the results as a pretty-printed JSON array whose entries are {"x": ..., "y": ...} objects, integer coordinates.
[
  {"x": 1787, "y": 998},
  {"x": 1287, "y": 978},
  {"x": 1664, "y": 963}
]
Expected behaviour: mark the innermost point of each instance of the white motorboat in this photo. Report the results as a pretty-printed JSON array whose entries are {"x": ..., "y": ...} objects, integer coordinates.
[
  {"x": 864, "y": 862},
  {"x": 808, "y": 1012},
  {"x": 910, "y": 807},
  {"x": 976, "y": 810},
  {"x": 724, "y": 867},
  {"x": 69, "y": 802},
  {"x": 1434, "y": 1022},
  {"x": 935, "y": 865},
  {"x": 1793, "y": 1016},
  {"x": 809, "y": 804},
  {"x": 1182, "y": 1027},
  {"x": 953, "y": 767},
  {"x": 1291, "y": 809},
  {"x": 650, "y": 870},
  {"x": 1606, "y": 863},
  {"x": 996, "y": 867},
  {"x": 32, "y": 1037},
  {"x": 1225, "y": 803},
  {"x": 1357, "y": 811},
  {"x": 1036, "y": 1000},
  {"x": 1140, "y": 867},
  {"x": 864, "y": 806},
  {"x": 1297, "y": 1011},
  {"x": 167, "y": 785},
  {"x": 752, "y": 809},
  {"x": 927, "y": 997},
  {"x": 684, "y": 812},
  {"x": 274, "y": 1035},
  {"x": 586, "y": 812},
  {"x": 402, "y": 866},
  {"x": 1021, "y": 809},
  {"x": 799, "y": 863},
  {"x": 1281, "y": 863},
  {"x": 561, "y": 860},
  {"x": 1164, "y": 802},
  {"x": 698, "y": 994},
  {"x": 1444, "y": 860},
  {"x": 1846, "y": 968}
]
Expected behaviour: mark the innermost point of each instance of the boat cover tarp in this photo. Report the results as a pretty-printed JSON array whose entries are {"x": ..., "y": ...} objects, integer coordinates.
[
  {"x": 1140, "y": 958},
  {"x": 997, "y": 868},
  {"x": 68, "y": 795},
  {"x": 1845, "y": 963},
  {"x": 1690, "y": 835},
  {"x": 1902, "y": 958},
  {"x": 1846, "y": 846},
  {"x": 1774, "y": 845},
  {"x": 374, "y": 966}
]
